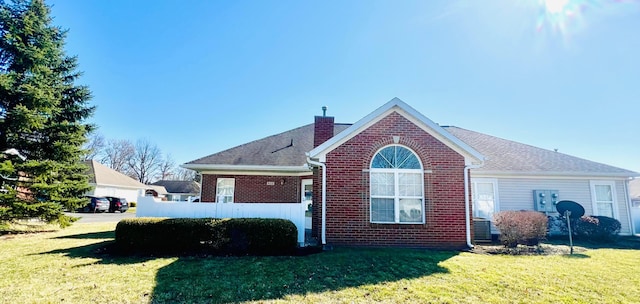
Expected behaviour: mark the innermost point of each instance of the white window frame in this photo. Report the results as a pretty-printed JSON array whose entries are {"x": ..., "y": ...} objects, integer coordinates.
[
  {"x": 218, "y": 194},
  {"x": 396, "y": 197},
  {"x": 474, "y": 192},
  {"x": 595, "y": 202}
]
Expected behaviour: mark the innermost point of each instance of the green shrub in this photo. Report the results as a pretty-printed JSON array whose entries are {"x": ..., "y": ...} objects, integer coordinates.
[
  {"x": 597, "y": 228},
  {"x": 132, "y": 204},
  {"x": 211, "y": 236},
  {"x": 521, "y": 227}
]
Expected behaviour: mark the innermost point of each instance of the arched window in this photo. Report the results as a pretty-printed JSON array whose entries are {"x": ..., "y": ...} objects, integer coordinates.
[{"x": 397, "y": 186}]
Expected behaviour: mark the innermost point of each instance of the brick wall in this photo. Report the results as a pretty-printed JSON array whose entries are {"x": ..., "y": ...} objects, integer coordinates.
[
  {"x": 348, "y": 191},
  {"x": 256, "y": 189}
]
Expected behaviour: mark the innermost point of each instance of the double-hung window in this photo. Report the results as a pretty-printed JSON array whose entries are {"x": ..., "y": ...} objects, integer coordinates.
[
  {"x": 603, "y": 196},
  {"x": 224, "y": 190},
  {"x": 397, "y": 186}
]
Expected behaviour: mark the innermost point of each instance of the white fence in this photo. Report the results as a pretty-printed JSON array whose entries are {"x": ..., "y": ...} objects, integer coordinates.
[{"x": 148, "y": 207}]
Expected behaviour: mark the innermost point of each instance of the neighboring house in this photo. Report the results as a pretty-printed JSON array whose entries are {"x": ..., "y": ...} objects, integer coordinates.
[
  {"x": 395, "y": 178},
  {"x": 156, "y": 191},
  {"x": 109, "y": 182},
  {"x": 178, "y": 190}
]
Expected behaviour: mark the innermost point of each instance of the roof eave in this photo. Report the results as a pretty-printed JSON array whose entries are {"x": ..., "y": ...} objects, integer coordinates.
[
  {"x": 577, "y": 174},
  {"x": 247, "y": 168}
]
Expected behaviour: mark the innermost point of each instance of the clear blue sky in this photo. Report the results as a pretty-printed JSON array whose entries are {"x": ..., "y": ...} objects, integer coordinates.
[{"x": 198, "y": 77}]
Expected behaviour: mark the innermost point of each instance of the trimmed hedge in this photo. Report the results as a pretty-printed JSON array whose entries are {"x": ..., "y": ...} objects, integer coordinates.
[
  {"x": 597, "y": 228},
  {"x": 206, "y": 235}
]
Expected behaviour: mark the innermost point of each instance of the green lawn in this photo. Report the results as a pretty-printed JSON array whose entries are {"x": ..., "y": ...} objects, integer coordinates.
[{"x": 68, "y": 266}]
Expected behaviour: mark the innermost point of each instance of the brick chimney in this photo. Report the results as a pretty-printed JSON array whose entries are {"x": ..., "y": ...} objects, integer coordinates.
[{"x": 323, "y": 128}]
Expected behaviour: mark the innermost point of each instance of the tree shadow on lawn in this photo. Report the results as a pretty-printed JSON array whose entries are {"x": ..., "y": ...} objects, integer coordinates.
[
  {"x": 231, "y": 279},
  {"x": 91, "y": 235},
  {"x": 250, "y": 278}
]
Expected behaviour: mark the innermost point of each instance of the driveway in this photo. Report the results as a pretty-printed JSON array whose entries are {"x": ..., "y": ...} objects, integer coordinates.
[{"x": 100, "y": 217}]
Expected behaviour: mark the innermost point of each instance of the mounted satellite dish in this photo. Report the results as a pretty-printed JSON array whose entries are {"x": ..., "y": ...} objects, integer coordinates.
[
  {"x": 570, "y": 210},
  {"x": 575, "y": 210}
]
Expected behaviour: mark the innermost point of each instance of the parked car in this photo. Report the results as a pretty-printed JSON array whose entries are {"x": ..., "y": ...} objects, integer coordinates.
[
  {"x": 95, "y": 204},
  {"x": 118, "y": 204}
]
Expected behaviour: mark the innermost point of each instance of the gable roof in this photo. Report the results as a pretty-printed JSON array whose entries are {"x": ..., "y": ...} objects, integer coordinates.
[
  {"x": 178, "y": 186},
  {"x": 102, "y": 175},
  {"x": 505, "y": 156},
  {"x": 396, "y": 105},
  {"x": 285, "y": 150}
]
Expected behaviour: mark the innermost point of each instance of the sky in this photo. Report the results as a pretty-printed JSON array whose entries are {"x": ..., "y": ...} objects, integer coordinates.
[{"x": 199, "y": 77}]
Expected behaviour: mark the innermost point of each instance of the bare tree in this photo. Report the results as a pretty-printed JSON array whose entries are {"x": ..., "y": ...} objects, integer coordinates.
[
  {"x": 117, "y": 154},
  {"x": 94, "y": 146},
  {"x": 146, "y": 161},
  {"x": 187, "y": 175},
  {"x": 167, "y": 168}
]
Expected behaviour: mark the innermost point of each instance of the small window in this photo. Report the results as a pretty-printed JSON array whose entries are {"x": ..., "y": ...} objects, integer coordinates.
[
  {"x": 397, "y": 184},
  {"x": 224, "y": 190}
]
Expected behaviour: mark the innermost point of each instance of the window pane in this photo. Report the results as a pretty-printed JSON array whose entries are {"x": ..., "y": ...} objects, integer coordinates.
[
  {"x": 406, "y": 159},
  {"x": 382, "y": 210},
  {"x": 484, "y": 200},
  {"x": 379, "y": 161},
  {"x": 410, "y": 184},
  {"x": 410, "y": 210},
  {"x": 382, "y": 184},
  {"x": 603, "y": 193},
  {"x": 224, "y": 190},
  {"x": 605, "y": 209},
  {"x": 395, "y": 157}
]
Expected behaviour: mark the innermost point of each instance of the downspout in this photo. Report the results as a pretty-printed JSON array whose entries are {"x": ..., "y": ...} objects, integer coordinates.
[
  {"x": 467, "y": 214},
  {"x": 323, "y": 233}
]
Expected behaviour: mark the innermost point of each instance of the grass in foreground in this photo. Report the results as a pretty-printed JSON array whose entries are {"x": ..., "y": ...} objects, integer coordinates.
[{"x": 68, "y": 266}]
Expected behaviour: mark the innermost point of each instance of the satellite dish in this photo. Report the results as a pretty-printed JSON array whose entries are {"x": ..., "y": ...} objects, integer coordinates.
[
  {"x": 575, "y": 210},
  {"x": 571, "y": 210}
]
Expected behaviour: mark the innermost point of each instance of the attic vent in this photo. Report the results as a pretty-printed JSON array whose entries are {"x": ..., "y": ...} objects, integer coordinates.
[{"x": 280, "y": 149}]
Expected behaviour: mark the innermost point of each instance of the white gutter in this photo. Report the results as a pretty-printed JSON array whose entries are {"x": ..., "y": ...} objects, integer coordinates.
[
  {"x": 323, "y": 235},
  {"x": 467, "y": 214}
]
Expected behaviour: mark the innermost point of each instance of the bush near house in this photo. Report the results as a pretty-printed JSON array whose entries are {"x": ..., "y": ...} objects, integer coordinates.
[
  {"x": 210, "y": 236},
  {"x": 597, "y": 228},
  {"x": 521, "y": 227}
]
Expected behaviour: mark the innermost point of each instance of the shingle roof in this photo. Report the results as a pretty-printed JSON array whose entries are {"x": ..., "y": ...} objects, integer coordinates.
[
  {"x": 103, "y": 175},
  {"x": 503, "y": 155},
  {"x": 178, "y": 186},
  {"x": 284, "y": 149}
]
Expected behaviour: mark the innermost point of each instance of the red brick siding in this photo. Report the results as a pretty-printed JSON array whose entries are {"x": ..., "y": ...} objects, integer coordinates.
[
  {"x": 348, "y": 191},
  {"x": 254, "y": 189}
]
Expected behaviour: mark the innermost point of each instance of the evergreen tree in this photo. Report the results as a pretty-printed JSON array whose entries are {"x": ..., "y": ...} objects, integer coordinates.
[{"x": 42, "y": 115}]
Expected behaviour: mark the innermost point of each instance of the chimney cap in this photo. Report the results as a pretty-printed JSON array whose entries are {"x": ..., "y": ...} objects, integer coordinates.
[{"x": 324, "y": 111}]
